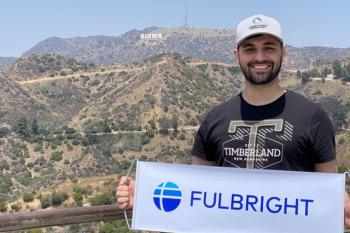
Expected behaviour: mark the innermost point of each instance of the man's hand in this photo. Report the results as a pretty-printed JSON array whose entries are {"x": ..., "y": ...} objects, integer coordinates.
[
  {"x": 125, "y": 193},
  {"x": 347, "y": 210}
]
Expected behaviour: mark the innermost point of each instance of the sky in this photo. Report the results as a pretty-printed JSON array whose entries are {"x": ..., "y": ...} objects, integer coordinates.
[{"x": 24, "y": 23}]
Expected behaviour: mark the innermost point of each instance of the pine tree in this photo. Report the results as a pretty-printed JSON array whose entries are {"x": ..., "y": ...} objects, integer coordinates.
[
  {"x": 22, "y": 127},
  {"x": 35, "y": 127}
]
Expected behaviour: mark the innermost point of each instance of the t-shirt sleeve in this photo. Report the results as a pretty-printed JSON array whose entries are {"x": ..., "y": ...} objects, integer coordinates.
[
  {"x": 202, "y": 146},
  {"x": 323, "y": 137}
]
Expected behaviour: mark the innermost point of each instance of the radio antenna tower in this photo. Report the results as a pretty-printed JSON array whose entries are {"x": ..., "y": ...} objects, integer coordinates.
[{"x": 186, "y": 21}]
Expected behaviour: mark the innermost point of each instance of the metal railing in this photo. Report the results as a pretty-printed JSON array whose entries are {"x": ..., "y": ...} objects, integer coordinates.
[{"x": 58, "y": 217}]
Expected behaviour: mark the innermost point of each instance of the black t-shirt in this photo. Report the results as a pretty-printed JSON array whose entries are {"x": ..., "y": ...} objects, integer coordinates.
[{"x": 291, "y": 133}]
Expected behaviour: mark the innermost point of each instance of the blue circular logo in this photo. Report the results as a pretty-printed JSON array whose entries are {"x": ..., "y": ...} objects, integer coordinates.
[{"x": 167, "y": 196}]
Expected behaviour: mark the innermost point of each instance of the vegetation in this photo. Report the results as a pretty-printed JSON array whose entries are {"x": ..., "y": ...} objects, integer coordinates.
[
  {"x": 3, "y": 207},
  {"x": 55, "y": 199},
  {"x": 56, "y": 156},
  {"x": 4, "y": 131},
  {"x": 103, "y": 199},
  {"x": 116, "y": 226},
  {"x": 5, "y": 183},
  {"x": 93, "y": 118},
  {"x": 28, "y": 197},
  {"x": 338, "y": 112}
]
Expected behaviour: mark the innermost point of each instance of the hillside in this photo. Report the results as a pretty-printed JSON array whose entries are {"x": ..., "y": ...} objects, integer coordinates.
[
  {"x": 104, "y": 117},
  {"x": 37, "y": 65},
  {"x": 164, "y": 87},
  {"x": 6, "y": 62},
  {"x": 135, "y": 46},
  {"x": 300, "y": 58},
  {"x": 75, "y": 134},
  {"x": 16, "y": 102}
]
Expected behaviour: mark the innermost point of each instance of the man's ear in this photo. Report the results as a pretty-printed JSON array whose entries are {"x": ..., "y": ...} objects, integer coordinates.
[
  {"x": 235, "y": 53},
  {"x": 284, "y": 53}
]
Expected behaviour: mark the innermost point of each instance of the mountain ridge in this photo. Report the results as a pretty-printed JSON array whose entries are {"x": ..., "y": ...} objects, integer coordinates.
[{"x": 208, "y": 44}]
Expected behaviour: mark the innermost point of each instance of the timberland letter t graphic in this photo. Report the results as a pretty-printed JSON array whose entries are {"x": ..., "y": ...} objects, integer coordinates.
[{"x": 251, "y": 153}]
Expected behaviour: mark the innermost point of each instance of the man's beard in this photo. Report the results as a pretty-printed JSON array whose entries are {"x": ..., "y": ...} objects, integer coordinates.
[{"x": 263, "y": 78}]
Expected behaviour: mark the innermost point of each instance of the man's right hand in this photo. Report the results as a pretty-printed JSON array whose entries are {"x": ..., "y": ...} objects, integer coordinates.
[{"x": 125, "y": 193}]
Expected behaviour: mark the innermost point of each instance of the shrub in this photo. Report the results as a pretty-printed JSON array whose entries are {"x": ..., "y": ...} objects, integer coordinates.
[
  {"x": 45, "y": 202},
  {"x": 103, "y": 199},
  {"x": 70, "y": 131},
  {"x": 4, "y": 131},
  {"x": 80, "y": 189},
  {"x": 79, "y": 193},
  {"x": 56, "y": 156},
  {"x": 28, "y": 197},
  {"x": 75, "y": 142},
  {"x": 14, "y": 207},
  {"x": 116, "y": 226},
  {"x": 63, "y": 73},
  {"x": 234, "y": 70},
  {"x": 58, "y": 198},
  {"x": 5, "y": 183},
  {"x": 3, "y": 207},
  {"x": 95, "y": 82},
  {"x": 78, "y": 198},
  {"x": 69, "y": 147}
]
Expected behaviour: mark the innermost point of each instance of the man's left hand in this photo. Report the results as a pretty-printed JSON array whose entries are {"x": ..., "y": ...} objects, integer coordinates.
[{"x": 347, "y": 213}]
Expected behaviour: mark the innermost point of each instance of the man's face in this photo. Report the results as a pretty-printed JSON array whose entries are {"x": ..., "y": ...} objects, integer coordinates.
[{"x": 260, "y": 58}]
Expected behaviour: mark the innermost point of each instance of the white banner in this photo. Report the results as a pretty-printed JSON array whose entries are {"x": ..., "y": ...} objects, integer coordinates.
[{"x": 189, "y": 198}]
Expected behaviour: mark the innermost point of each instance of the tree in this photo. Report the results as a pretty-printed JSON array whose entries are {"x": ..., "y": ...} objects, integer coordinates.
[
  {"x": 164, "y": 125},
  {"x": 35, "y": 127},
  {"x": 347, "y": 70},
  {"x": 336, "y": 110},
  {"x": 90, "y": 135},
  {"x": 346, "y": 77},
  {"x": 165, "y": 103},
  {"x": 21, "y": 127},
  {"x": 314, "y": 73},
  {"x": 325, "y": 72},
  {"x": 338, "y": 71},
  {"x": 4, "y": 131},
  {"x": 305, "y": 78},
  {"x": 299, "y": 74},
  {"x": 174, "y": 122},
  {"x": 152, "y": 124},
  {"x": 105, "y": 127}
]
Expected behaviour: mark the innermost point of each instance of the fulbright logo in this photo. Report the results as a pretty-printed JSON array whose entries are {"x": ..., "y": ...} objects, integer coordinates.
[{"x": 167, "y": 196}]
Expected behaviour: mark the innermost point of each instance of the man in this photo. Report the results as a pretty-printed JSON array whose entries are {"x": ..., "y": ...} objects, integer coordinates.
[{"x": 264, "y": 127}]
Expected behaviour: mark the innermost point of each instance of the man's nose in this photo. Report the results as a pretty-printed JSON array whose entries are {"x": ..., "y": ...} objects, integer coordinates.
[{"x": 260, "y": 55}]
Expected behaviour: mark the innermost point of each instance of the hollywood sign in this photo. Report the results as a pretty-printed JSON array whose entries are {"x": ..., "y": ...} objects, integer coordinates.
[{"x": 151, "y": 36}]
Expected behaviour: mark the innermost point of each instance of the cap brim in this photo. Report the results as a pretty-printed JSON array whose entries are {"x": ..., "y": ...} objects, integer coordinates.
[{"x": 238, "y": 43}]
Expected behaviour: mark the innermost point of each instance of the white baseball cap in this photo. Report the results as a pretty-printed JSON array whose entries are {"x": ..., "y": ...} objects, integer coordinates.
[{"x": 256, "y": 25}]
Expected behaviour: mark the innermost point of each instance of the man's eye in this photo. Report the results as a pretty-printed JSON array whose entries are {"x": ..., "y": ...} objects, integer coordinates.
[{"x": 249, "y": 50}]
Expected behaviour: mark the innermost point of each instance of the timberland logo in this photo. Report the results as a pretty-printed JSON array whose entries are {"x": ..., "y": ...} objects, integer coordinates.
[
  {"x": 258, "y": 23},
  {"x": 249, "y": 147}
]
